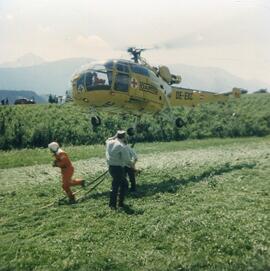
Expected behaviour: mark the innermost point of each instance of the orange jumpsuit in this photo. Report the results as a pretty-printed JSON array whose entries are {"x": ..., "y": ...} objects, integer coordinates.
[{"x": 67, "y": 170}]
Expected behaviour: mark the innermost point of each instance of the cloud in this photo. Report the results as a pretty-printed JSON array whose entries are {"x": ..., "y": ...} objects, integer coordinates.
[
  {"x": 242, "y": 30},
  {"x": 94, "y": 42},
  {"x": 10, "y": 17},
  {"x": 7, "y": 17},
  {"x": 94, "y": 46},
  {"x": 45, "y": 29}
]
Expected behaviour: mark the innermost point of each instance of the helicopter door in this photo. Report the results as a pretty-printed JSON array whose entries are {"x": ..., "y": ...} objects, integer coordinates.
[
  {"x": 122, "y": 78},
  {"x": 121, "y": 82}
]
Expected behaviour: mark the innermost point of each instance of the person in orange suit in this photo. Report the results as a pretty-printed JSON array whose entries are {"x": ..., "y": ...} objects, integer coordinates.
[{"x": 62, "y": 161}]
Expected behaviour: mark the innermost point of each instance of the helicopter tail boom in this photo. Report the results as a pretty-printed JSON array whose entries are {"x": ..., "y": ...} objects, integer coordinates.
[{"x": 189, "y": 97}]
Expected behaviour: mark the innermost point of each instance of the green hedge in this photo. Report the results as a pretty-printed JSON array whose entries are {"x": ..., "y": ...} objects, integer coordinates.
[{"x": 25, "y": 126}]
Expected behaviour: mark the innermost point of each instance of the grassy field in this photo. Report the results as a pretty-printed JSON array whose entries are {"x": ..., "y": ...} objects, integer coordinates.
[{"x": 201, "y": 205}]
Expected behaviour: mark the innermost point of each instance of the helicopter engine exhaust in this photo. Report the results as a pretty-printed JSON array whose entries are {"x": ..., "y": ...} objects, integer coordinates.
[{"x": 166, "y": 75}]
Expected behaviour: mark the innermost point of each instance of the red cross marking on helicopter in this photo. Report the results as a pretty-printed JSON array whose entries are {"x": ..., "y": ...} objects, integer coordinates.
[{"x": 134, "y": 83}]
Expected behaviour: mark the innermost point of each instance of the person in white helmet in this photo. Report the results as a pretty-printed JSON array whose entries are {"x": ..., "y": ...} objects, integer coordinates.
[
  {"x": 62, "y": 161},
  {"x": 117, "y": 158}
]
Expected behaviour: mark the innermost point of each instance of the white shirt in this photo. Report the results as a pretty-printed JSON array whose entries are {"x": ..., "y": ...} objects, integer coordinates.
[{"x": 117, "y": 153}]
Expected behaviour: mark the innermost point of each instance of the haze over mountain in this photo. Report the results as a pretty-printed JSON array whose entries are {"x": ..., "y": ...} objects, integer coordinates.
[
  {"x": 54, "y": 77},
  {"x": 214, "y": 79},
  {"x": 26, "y": 60},
  {"x": 48, "y": 77}
]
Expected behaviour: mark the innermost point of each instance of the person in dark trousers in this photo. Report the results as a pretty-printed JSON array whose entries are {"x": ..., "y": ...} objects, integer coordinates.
[
  {"x": 131, "y": 170},
  {"x": 117, "y": 157}
]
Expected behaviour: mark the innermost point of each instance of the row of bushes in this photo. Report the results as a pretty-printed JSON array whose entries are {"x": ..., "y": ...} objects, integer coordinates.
[{"x": 27, "y": 126}]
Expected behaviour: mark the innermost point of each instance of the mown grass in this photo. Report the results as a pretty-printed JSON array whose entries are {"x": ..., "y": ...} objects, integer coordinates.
[
  {"x": 202, "y": 208},
  {"x": 39, "y": 156}
]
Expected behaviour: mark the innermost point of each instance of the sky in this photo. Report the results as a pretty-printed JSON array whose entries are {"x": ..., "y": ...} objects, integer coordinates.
[{"x": 229, "y": 34}]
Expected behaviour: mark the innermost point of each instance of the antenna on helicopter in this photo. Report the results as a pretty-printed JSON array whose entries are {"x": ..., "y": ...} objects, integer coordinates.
[{"x": 136, "y": 53}]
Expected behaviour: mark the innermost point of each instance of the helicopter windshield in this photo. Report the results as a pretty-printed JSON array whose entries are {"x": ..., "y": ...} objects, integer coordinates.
[
  {"x": 139, "y": 69},
  {"x": 96, "y": 78}
]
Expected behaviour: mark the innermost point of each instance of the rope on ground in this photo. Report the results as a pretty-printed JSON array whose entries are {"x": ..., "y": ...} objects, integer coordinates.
[
  {"x": 78, "y": 191},
  {"x": 92, "y": 188}
]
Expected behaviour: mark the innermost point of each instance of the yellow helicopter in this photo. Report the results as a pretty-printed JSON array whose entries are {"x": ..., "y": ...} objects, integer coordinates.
[{"x": 135, "y": 87}]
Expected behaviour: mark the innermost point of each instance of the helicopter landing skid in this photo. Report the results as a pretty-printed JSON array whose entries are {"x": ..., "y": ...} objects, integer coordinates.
[
  {"x": 137, "y": 127},
  {"x": 168, "y": 115},
  {"x": 95, "y": 121}
]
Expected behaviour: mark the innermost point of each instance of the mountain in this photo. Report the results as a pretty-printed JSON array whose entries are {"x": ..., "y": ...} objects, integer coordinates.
[
  {"x": 26, "y": 60},
  {"x": 13, "y": 95},
  {"x": 213, "y": 79},
  {"x": 54, "y": 77},
  {"x": 49, "y": 77}
]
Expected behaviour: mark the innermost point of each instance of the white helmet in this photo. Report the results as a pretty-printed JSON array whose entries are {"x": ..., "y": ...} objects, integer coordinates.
[
  {"x": 121, "y": 134},
  {"x": 53, "y": 146}
]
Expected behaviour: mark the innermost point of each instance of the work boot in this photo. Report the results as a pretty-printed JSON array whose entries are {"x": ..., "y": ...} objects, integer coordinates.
[
  {"x": 62, "y": 201},
  {"x": 83, "y": 184},
  {"x": 112, "y": 207},
  {"x": 121, "y": 203},
  {"x": 132, "y": 189},
  {"x": 112, "y": 203},
  {"x": 72, "y": 201}
]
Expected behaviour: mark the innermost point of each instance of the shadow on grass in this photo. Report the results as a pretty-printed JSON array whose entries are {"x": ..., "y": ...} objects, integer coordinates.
[
  {"x": 129, "y": 210},
  {"x": 172, "y": 184}
]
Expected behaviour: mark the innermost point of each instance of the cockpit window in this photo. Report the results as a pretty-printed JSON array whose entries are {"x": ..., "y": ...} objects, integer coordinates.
[
  {"x": 122, "y": 67},
  {"x": 89, "y": 80},
  {"x": 109, "y": 65},
  {"x": 98, "y": 80},
  {"x": 80, "y": 83},
  {"x": 99, "y": 67},
  {"x": 139, "y": 69}
]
